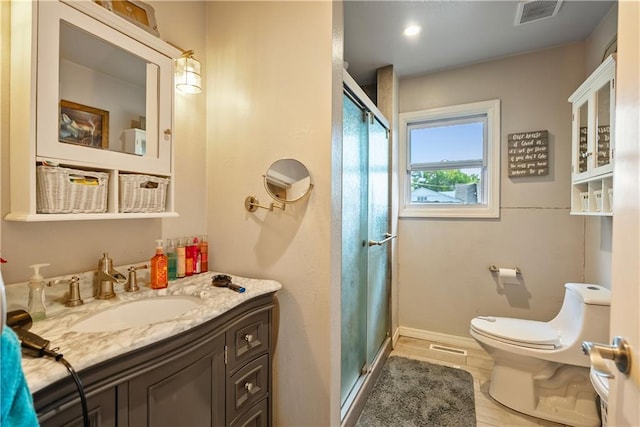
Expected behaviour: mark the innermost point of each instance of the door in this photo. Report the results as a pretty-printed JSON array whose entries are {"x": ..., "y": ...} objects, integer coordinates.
[
  {"x": 625, "y": 319},
  {"x": 365, "y": 252},
  {"x": 354, "y": 253},
  {"x": 379, "y": 225}
]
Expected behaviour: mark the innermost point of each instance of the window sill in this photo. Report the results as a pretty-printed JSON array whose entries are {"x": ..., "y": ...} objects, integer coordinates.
[{"x": 470, "y": 212}]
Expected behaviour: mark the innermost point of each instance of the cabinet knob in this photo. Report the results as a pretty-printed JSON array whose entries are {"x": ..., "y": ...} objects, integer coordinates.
[
  {"x": 248, "y": 338},
  {"x": 248, "y": 386},
  {"x": 167, "y": 132},
  {"x": 585, "y": 154}
]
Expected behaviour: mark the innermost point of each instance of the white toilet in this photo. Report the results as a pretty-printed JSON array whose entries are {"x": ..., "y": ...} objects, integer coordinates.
[{"x": 539, "y": 368}]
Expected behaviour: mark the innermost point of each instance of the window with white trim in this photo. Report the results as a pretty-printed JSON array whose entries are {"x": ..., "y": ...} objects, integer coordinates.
[{"x": 450, "y": 161}]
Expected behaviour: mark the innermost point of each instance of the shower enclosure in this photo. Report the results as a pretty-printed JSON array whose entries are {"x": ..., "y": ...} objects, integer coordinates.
[{"x": 365, "y": 238}]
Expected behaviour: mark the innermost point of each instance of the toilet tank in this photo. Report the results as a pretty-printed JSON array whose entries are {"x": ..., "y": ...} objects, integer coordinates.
[{"x": 584, "y": 315}]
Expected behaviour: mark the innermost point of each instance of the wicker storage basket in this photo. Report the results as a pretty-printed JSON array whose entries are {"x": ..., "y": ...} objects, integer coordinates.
[
  {"x": 63, "y": 190},
  {"x": 142, "y": 193}
]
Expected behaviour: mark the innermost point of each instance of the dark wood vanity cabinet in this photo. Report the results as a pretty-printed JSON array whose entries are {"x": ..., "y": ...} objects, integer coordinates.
[
  {"x": 101, "y": 407},
  {"x": 216, "y": 374},
  {"x": 187, "y": 390}
]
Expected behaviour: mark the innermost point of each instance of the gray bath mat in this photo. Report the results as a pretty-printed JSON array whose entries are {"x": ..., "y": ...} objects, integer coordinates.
[{"x": 414, "y": 393}]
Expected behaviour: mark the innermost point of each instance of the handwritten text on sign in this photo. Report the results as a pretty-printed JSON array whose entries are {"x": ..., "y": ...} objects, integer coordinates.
[{"x": 528, "y": 153}]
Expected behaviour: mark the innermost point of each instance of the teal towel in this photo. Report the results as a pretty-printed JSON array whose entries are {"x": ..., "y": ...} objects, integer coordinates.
[{"x": 16, "y": 403}]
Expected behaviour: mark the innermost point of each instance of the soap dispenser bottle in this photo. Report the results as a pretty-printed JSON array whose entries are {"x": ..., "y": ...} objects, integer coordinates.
[
  {"x": 35, "y": 305},
  {"x": 159, "y": 265}
]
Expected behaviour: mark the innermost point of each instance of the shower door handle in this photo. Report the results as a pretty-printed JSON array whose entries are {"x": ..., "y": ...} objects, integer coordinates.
[{"x": 387, "y": 239}]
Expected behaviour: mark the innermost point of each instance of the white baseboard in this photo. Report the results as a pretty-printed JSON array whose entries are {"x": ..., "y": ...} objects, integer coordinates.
[{"x": 435, "y": 336}]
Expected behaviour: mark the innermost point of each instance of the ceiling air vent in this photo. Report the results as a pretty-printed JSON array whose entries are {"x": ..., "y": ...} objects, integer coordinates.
[{"x": 530, "y": 11}]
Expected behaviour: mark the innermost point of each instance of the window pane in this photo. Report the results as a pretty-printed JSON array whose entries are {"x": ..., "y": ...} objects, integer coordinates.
[
  {"x": 447, "y": 186},
  {"x": 447, "y": 142}
]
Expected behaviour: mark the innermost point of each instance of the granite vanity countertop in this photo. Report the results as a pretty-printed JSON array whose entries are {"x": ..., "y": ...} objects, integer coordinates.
[{"x": 84, "y": 349}]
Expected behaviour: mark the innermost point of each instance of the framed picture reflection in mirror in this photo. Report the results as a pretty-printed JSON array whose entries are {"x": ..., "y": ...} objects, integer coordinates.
[{"x": 83, "y": 125}]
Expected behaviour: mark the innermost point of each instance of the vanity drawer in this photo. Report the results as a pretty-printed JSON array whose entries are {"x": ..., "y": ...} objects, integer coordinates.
[
  {"x": 247, "y": 386},
  {"x": 248, "y": 339},
  {"x": 258, "y": 416}
]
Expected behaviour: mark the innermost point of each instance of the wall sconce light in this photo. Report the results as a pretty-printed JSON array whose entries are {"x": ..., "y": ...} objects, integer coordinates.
[{"x": 188, "y": 79}]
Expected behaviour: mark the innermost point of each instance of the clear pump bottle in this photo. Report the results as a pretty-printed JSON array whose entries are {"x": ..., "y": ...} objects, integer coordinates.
[{"x": 36, "y": 306}]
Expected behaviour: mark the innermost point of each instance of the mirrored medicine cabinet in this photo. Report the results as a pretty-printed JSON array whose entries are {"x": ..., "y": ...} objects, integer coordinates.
[
  {"x": 94, "y": 92},
  {"x": 593, "y": 142},
  {"x": 105, "y": 86}
]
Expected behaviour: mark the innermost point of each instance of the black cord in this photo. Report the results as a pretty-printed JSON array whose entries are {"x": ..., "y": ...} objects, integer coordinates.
[
  {"x": 76, "y": 379},
  {"x": 36, "y": 346}
]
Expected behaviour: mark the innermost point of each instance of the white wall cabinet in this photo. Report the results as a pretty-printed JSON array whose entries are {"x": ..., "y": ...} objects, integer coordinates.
[
  {"x": 81, "y": 76},
  {"x": 593, "y": 143}
]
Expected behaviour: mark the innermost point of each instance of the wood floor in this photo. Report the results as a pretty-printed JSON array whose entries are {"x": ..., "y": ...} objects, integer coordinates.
[{"x": 478, "y": 363}]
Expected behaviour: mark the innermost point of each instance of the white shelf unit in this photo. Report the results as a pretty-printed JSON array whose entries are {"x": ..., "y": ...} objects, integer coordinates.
[
  {"x": 593, "y": 142},
  {"x": 593, "y": 197},
  {"x": 59, "y": 49}
]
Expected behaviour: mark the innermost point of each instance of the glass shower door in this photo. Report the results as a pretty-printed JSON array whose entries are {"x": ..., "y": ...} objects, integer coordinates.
[
  {"x": 379, "y": 227},
  {"x": 354, "y": 252},
  {"x": 365, "y": 260}
]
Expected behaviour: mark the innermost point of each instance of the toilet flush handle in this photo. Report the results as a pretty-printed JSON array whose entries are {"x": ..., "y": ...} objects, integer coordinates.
[{"x": 619, "y": 352}]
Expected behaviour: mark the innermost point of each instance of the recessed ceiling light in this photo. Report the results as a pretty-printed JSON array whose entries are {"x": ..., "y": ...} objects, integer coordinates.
[{"x": 412, "y": 30}]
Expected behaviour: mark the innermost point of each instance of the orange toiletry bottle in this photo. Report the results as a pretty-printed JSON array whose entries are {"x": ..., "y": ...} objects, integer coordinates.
[
  {"x": 204, "y": 254},
  {"x": 159, "y": 265}
]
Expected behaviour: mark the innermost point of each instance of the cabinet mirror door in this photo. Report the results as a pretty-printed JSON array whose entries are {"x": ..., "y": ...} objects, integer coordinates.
[
  {"x": 583, "y": 137},
  {"x": 100, "y": 95},
  {"x": 603, "y": 125}
]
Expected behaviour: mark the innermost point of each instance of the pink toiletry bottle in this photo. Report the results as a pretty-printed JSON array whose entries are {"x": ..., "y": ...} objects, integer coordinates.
[{"x": 197, "y": 257}]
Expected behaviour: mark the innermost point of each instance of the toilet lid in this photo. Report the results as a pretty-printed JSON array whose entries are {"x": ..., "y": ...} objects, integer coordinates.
[{"x": 527, "y": 333}]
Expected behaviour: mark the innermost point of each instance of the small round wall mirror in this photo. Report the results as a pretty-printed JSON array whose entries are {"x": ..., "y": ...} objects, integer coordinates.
[{"x": 287, "y": 180}]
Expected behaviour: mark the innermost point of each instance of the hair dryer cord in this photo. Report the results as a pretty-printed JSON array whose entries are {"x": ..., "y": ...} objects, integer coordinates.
[
  {"x": 76, "y": 379},
  {"x": 36, "y": 346}
]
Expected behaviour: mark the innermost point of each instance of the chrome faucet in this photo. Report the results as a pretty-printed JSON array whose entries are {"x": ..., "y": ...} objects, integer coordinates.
[{"x": 106, "y": 277}]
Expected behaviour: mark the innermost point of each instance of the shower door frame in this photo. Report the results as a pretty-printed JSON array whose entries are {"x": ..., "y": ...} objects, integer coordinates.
[{"x": 352, "y": 404}]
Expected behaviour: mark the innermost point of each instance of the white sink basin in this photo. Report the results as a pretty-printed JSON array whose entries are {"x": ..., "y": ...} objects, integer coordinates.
[{"x": 137, "y": 313}]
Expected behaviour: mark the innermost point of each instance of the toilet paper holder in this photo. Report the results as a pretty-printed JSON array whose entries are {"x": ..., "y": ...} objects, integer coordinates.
[{"x": 494, "y": 269}]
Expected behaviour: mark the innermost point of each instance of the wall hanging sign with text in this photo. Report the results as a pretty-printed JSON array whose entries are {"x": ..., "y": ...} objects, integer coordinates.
[{"x": 528, "y": 153}]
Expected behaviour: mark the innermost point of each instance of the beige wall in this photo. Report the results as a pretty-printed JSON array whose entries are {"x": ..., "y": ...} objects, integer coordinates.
[
  {"x": 5, "y": 57},
  {"x": 75, "y": 246},
  {"x": 270, "y": 94},
  {"x": 600, "y": 38},
  {"x": 444, "y": 279},
  {"x": 183, "y": 23}
]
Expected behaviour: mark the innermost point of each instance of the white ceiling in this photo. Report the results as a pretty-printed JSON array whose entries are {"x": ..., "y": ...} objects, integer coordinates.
[{"x": 454, "y": 33}]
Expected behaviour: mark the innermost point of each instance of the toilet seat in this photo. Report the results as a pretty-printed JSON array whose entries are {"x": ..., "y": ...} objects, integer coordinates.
[{"x": 520, "y": 332}]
